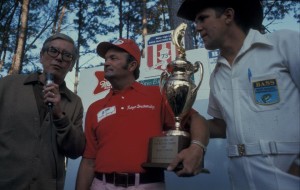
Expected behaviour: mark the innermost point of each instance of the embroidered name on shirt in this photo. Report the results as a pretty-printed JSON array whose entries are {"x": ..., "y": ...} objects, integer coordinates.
[
  {"x": 138, "y": 106},
  {"x": 266, "y": 92},
  {"x": 105, "y": 113}
]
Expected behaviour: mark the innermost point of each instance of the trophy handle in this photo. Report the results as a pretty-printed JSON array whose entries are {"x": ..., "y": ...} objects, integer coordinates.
[
  {"x": 198, "y": 66},
  {"x": 163, "y": 78}
]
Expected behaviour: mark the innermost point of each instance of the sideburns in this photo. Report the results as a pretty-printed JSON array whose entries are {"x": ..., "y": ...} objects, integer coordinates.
[
  {"x": 219, "y": 11},
  {"x": 125, "y": 67}
]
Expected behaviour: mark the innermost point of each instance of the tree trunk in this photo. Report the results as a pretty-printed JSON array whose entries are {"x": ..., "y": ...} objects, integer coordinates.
[
  {"x": 144, "y": 25},
  {"x": 16, "y": 64},
  {"x": 5, "y": 35},
  {"x": 56, "y": 17},
  {"x": 61, "y": 17},
  {"x": 121, "y": 19},
  {"x": 80, "y": 29}
]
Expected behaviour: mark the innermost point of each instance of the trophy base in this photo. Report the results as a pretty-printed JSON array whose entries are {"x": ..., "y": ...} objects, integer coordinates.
[
  {"x": 163, "y": 150},
  {"x": 160, "y": 166}
]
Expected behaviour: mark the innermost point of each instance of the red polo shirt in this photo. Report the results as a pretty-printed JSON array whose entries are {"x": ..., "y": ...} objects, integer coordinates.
[{"x": 118, "y": 128}]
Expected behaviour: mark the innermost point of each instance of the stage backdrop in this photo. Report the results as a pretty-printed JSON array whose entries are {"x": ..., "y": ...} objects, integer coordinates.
[{"x": 159, "y": 52}]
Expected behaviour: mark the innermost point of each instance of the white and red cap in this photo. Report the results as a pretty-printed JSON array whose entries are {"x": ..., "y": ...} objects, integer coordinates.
[{"x": 127, "y": 45}]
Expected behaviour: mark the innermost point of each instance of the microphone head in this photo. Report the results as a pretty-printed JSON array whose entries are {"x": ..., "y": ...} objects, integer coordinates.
[{"x": 49, "y": 78}]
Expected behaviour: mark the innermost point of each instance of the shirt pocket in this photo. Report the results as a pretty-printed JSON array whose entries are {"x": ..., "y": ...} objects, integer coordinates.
[{"x": 265, "y": 92}]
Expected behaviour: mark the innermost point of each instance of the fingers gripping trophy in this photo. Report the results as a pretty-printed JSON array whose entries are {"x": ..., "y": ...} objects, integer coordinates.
[{"x": 178, "y": 88}]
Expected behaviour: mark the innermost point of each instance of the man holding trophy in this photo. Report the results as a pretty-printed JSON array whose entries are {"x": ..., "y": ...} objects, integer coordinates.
[
  {"x": 254, "y": 92},
  {"x": 118, "y": 128}
]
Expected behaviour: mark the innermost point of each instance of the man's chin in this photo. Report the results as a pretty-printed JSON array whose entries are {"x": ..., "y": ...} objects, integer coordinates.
[
  {"x": 208, "y": 47},
  {"x": 108, "y": 76}
]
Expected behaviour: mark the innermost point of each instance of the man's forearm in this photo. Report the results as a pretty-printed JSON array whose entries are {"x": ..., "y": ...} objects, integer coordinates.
[
  {"x": 85, "y": 174},
  {"x": 199, "y": 129}
]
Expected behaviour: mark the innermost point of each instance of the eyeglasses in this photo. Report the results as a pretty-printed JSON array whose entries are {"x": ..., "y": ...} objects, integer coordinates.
[{"x": 54, "y": 52}]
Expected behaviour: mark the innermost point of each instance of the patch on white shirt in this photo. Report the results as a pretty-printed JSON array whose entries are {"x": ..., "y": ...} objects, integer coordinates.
[
  {"x": 105, "y": 113},
  {"x": 266, "y": 92}
]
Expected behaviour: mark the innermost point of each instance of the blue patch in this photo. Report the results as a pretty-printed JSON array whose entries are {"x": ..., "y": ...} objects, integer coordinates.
[{"x": 266, "y": 92}]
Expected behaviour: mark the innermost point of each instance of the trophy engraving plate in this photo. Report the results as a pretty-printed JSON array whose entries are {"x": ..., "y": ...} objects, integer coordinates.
[{"x": 163, "y": 150}]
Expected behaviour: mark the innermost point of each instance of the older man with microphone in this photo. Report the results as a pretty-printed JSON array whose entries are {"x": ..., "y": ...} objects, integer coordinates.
[{"x": 41, "y": 121}]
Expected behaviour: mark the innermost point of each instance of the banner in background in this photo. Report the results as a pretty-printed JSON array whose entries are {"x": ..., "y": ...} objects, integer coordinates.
[{"x": 159, "y": 50}]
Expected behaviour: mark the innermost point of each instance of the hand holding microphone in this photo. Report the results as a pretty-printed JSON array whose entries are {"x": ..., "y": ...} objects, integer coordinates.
[
  {"x": 51, "y": 91},
  {"x": 52, "y": 95}
]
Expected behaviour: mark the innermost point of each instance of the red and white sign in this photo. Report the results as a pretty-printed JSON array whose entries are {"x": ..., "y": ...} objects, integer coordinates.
[
  {"x": 159, "y": 50},
  {"x": 103, "y": 84}
]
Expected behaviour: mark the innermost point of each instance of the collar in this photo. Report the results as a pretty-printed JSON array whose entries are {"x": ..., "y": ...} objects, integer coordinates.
[
  {"x": 254, "y": 38},
  {"x": 34, "y": 79},
  {"x": 134, "y": 86}
]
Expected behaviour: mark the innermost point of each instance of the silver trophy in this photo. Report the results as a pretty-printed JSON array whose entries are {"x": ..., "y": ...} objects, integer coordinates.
[
  {"x": 176, "y": 82},
  {"x": 178, "y": 88}
]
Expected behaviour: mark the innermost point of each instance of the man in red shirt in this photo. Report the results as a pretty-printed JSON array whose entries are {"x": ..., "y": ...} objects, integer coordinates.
[{"x": 119, "y": 126}]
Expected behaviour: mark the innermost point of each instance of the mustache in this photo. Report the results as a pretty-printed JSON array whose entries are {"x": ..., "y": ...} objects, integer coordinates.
[{"x": 125, "y": 67}]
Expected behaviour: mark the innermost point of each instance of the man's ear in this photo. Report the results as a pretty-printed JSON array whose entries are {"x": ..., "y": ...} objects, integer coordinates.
[
  {"x": 229, "y": 15},
  {"x": 132, "y": 65},
  {"x": 71, "y": 67}
]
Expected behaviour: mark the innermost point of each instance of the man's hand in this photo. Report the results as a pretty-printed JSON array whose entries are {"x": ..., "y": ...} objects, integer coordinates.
[
  {"x": 52, "y": 94},
  {"x": 191, "y": 159}
]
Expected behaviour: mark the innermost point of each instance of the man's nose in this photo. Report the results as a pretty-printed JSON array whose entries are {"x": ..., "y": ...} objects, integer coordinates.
[
  {"x": 198, "y": 26},
  {"x": 107, "y": 62},
  {"x": 59, "y": 56}
]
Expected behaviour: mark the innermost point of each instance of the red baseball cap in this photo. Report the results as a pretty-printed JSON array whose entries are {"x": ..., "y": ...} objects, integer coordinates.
[{"x": 127, "y": 45}]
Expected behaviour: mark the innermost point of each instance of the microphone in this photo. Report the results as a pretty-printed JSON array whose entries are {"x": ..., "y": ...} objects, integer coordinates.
[{"x": 49, "y": 80}]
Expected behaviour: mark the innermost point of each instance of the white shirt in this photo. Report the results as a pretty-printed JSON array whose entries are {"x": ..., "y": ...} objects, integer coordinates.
[
  {"x": 258, "y": 98},
  {"x": 253, "y": 112}
]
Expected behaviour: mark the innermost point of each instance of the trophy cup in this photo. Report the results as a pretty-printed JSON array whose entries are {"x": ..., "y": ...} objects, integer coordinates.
[{"x": 179, "y": 90}]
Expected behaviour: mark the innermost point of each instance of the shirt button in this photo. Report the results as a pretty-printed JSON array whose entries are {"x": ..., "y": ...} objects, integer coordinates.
[
  {"x": 122, "y": 108},
  {"x": 123, "y": 97}
]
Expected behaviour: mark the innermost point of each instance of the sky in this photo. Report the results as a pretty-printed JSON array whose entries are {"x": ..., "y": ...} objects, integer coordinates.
[{"x": 288, "y": 23}]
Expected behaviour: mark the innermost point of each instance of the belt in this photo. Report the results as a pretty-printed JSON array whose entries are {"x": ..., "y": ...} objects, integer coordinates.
[
  {"x": 130, "y": 179},
  {"x": 263, "y": 148}
]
